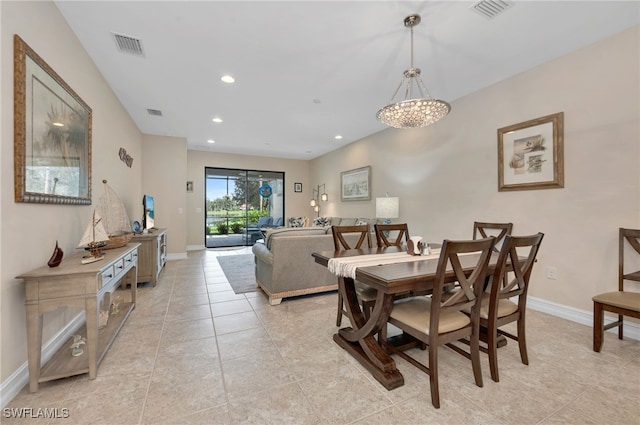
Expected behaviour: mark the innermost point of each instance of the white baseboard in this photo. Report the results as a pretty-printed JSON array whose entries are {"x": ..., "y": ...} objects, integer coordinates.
[
  {"x": 177, "y": 256},
  {"x": 18, "y": 379},
  {"x": 630, "y": 329},
  {"x": 195, "y": 247}
]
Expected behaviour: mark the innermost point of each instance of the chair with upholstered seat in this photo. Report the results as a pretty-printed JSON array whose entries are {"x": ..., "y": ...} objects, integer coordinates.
[
  {"x": 483, "y": 229},
  {"x": 384, "y": 232},
  {"x": 354, "y": 237},
  {"x": 517, "y": 255},
  {"x": 439, "y": 319},
  {"x": 621, "y": 302}
]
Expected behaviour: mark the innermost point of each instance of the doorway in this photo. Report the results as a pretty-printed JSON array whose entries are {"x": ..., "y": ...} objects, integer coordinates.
[{"x": 240, "y": 204}]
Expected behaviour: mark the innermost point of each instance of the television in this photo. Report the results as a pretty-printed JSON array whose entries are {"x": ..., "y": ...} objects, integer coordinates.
[{"x": 148, "y": 219}]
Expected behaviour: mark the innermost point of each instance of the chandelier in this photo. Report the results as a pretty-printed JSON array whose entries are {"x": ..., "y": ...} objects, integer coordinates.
[{"x": 412, "y": 112}]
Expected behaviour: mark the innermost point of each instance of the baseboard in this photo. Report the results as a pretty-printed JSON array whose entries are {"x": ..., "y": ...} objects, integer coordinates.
[
  {"x": 195, "y": 247},
  {"x": 18, "y": 379},
  {"x": 177, "y": 256},
  {"x": 630, "y": 329}
]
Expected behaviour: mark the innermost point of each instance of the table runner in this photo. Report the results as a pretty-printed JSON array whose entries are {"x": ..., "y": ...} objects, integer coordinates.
[{"x": 346, "y": 266}]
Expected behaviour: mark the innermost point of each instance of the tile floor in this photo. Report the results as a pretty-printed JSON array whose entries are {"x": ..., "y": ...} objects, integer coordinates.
[{"x": 194, "y": 352}]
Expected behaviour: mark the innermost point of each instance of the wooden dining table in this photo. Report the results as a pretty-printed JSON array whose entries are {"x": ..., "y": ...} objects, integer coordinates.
[{"x": 389, "y": 280}]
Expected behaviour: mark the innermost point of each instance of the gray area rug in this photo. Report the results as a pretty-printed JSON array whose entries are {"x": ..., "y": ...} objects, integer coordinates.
[{"x": 240, "y": 272}]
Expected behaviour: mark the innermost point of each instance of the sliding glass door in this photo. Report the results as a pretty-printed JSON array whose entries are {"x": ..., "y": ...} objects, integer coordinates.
[{"x": 240, "y": 204}]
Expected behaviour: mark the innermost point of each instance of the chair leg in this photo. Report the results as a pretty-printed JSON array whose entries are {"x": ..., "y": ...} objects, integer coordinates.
[
  {"x": 620, "y": 327},
  {"x": 474, "y": 351},
  {"x": 492, "y": 351},
  {"x": 598, "y": 327},
  {"x": 340, "y": 307},
  {"x": 522, "y": 340},
  {"x": 433, "y": 375}
]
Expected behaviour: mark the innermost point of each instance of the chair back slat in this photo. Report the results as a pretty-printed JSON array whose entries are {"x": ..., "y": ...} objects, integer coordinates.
[
  {"x": 469, "y": 286},
  {"x": 383, "y": 234},
  {"x": 511, "y": 254},
  {"x": 483, "y": 229},
  {"x": 340, "y": 242},
  {"x": 632, "y": 236}
]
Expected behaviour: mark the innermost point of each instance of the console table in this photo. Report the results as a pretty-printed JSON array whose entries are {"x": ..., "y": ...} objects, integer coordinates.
[
  {"x": 73, "y": 284},
  {"x": 152, "y": 255}
]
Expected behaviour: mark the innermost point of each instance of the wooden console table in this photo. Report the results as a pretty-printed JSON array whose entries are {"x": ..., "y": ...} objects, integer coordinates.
[
  {"x": 152, "y": 255},
  {"x": 73, "y": 284}
]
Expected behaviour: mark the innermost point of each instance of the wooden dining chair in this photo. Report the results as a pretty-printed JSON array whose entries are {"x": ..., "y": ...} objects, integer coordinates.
[
  {"x": 621, "y": 302},
  {"x": 354, "y": 237},
  {"x": 483, "y": 229},
  {"x": 384, "y": 232},
  {"x": 439, "y": 319},
  {"x": 517, "y": 255}
]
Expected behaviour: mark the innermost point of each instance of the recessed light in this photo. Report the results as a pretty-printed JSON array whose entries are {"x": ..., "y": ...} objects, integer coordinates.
[
  {"x": 211, "y": 141},
  {"x": 338, "y": 137},
  {"x": 228, "y": 79},
  {"x": 216, "y": 119},
  {"x": 58, "y": 124}
]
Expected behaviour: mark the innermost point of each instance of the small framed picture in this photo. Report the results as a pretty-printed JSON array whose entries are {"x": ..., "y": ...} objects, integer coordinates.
[
  {"x": 189, "y": 186},
  {"x": 297, "y": 187}
]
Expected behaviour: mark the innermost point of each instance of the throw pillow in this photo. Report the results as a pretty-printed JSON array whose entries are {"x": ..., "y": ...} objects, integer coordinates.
[
  {"x": 297, "y": 221},
  {"x": 361, "y": 221},
  {"x": 322, "y": 221}
]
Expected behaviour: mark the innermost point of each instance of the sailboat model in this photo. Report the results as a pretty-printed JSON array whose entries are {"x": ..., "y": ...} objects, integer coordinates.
[
  {"x": 114, "y": 218},
  {"x": 95, "y": 238}
]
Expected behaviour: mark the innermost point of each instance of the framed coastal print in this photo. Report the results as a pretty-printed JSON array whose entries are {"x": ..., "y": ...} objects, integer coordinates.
[
  {"x": 530, "y": 154},
  {"x": 355, "y": 185},
  {"x": 52, "y": 134}
]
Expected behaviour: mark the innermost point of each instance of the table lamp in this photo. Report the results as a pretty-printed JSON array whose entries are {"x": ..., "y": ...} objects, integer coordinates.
[{"x": 388, "y": 208}]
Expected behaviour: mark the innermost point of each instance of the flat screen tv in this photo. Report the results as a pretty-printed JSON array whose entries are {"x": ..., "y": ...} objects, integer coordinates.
[{"x": 149, "y": 212}]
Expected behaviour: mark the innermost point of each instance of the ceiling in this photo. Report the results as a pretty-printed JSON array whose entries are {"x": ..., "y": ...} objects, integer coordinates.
[{"x": 307, "y": 71}]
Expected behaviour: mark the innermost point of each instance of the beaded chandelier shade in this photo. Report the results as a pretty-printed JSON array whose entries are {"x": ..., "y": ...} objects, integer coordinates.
[{"x": 413, "y": 112}]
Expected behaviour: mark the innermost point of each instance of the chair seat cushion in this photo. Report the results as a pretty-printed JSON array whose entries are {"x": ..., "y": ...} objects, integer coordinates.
[
  {"x": 505, "y": 307},
  {"x": 365, "y": 292},
  {"x": 416, "y": 313},
  {"x": 621, "y": 299}
]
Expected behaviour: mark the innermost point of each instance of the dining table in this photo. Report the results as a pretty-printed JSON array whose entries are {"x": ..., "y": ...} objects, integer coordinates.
[{"x": 390, "y": 278}]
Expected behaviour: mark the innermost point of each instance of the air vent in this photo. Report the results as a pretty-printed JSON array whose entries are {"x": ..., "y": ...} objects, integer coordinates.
[
  {"x": 128, "y": 44},
  {"x": 491, "y": 8},
  {"x": 155, "y": 112}
]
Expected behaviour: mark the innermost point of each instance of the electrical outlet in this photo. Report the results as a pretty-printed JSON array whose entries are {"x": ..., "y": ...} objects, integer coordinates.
[{"x": 552, "y": 272}]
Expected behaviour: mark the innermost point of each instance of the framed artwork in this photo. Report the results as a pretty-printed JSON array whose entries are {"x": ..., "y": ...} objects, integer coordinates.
[
  {"x": 297, "y": 187},
  {"x": 52, "y": 134},
  {"x": 530, "y": 154},
  {"x": 355, "y": 185},
  {"x": 189, "y": 186}
]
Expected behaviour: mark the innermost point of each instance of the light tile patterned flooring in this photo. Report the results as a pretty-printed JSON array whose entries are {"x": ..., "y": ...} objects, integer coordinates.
[{"x": 194, "y": 352}]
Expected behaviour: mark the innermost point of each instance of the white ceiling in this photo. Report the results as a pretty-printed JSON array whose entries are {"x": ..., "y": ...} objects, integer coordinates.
[{"x": 308, "y": 70}]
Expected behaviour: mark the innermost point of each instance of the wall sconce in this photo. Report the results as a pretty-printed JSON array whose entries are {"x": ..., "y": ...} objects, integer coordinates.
[
  {"x": 388, "y": 208},
  {"x": 317, "y": 197}
]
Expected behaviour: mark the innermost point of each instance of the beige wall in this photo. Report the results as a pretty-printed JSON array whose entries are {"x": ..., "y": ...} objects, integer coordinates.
[
  {"x": 295, "y": 171},
  {"x": 164, "y": 160},
  {"x": 29, "y": 231},
  {"x": 446, "y": 177}
]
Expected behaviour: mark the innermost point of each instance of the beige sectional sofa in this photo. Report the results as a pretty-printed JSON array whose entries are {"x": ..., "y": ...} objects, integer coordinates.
[{"x": 284, "y": 265}]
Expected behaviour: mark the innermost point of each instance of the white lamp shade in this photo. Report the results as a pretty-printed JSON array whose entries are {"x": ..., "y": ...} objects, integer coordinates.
[{"x": 388, "y": 207}]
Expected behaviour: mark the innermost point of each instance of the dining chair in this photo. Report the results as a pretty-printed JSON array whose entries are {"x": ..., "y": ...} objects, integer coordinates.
[
  {"x": 517, "y": 255},
  {"x": 353, "y": 237},
  {"x": 621, "y": 302},
  {"x": 384, "y": 231},
  {"x": 439, "y": 319},
  {"x": 483, "y": 229}
]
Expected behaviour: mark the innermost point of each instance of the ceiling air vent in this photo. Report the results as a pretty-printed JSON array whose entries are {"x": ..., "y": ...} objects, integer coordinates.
[
  {"x": 128, "y": 44},
  {"x": 155, "y": 112},
  {"x": 491, "y": 8}
]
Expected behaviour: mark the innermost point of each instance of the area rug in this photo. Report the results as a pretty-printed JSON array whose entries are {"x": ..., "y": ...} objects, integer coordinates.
[{"x": 240, "y": 272}]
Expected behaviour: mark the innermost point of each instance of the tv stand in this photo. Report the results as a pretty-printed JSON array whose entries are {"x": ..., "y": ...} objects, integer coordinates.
[{"x": 152, "y": 255}]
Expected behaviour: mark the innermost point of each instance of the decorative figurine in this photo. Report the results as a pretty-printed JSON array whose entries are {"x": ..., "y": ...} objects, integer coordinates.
[{"x": 76, "y": 347}]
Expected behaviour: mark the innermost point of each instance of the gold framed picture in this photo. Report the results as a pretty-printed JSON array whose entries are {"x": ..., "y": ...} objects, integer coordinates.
[{"x": 530, "y": 154}]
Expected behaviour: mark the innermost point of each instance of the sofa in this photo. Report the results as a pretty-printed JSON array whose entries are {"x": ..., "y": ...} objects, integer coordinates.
[{"x": 284, "y": 265}]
